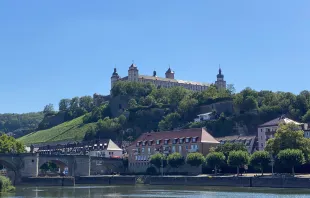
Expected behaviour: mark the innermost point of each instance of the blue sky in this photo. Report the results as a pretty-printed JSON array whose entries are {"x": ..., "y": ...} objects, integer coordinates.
[{"x": 57, "y": 49}]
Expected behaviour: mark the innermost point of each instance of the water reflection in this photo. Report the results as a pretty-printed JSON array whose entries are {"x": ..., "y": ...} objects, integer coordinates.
[{"x": 155, "y": 191}]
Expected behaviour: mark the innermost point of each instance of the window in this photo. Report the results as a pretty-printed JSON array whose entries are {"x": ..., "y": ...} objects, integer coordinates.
[
  {"x": 186, "y": 147},
  {"x": 166, "y": 141},
  {"x": 180, "y": 149},
  {"x": 262, "y": 145},
  {"x": 142, "y": 150},
  {"x": 173, "y": 149},
  {"x": 187, "y": 140},
  {"x": 175, "y": 140},
  {"x": 181, "y": 140},
  {"x": 143, "y": 143},
  {"x": 194, "y": 139},
  {"x": 149, "y": 150},
  {"x": 138, "y": 144},
  {"x": 150, "y": 142},
  {"x": 157, "y": 141}
]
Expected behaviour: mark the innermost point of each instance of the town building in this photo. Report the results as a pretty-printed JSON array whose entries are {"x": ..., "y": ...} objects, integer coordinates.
[
  {"x": 203, "y": 117},
  {"x": 98, "y": 148},
  {"x": 167, "y": 81},
  {"x": 183, "y": 141},
  {"x": 250, "y": 142},
  {"x": 268, "y": 130}
]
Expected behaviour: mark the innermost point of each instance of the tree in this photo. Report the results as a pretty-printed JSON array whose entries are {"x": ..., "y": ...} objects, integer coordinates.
[
  {"x": 48, "y": 109},
  {"x": 64, "y": 104},
  {"x": 249, "y": 104},
  {"x": 187, "y": 108},
  {"x": 158, "y": 159},
  {"x": 9, "y": 144},
  {"x": 238, "y": 159},
  {"x": 306, "y": 117},
  {"x": 260, "y": 160},
  {"x": 195, "y": 159},
  {"x": 87, "y": 103},
  {"x": 228, "y": 147},
  {"x": 170, "y": 122},
  {"x": 132, "y": 103},
  {"x": 149, "y": 100},
  {"x": 288, "y": 136},
  {"x": 215, "y": 160},
  {"x": 291, "y": 158},
  {"x": 175, "y": 160}
]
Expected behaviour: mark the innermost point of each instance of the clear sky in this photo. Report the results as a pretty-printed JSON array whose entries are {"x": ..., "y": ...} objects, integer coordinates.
[{"x": 57, "y": 49}]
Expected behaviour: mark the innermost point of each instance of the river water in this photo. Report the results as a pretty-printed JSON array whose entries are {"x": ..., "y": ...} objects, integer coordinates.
[{"x": 154, "y": 191}]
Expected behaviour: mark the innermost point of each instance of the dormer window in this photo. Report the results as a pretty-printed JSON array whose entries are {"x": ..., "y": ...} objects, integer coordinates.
[
  {"x": 157, "y": 141},
  {"x": 187, "y": 139},
  {"x": 181, "y": 140},
  {"x": 194, "y": 139},
  {"x": 175, "y": 140},
  {"x": 143, "y": 143},
  {"x": 150, "y": 142},
  {"x": 166, "y": 141},
  {"x": 138, "y": 143}
]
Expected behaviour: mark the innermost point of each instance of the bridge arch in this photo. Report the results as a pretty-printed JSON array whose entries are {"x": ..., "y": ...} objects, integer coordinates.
[{"x": 60, "y": 162}]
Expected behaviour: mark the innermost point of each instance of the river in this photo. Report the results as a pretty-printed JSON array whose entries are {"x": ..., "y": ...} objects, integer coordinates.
[{"x": 154, "y": 191}]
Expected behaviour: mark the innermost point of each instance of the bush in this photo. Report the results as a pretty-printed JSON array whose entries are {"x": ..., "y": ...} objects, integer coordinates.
[
  {"x": 151, "y": 170},
  {"x": 6, "y": 185}
]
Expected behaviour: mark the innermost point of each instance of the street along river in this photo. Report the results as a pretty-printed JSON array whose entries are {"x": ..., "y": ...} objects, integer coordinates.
[{"x": 147, "y": 191}]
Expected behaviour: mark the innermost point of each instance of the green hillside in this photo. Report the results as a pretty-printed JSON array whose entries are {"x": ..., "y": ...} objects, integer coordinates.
[{"x": 71, "y": 130}]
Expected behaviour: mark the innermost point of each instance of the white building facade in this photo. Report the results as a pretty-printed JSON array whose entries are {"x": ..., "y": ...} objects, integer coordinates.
[
  {"x": 268, "y": 129},
  {"x": 167, "y": 81}
]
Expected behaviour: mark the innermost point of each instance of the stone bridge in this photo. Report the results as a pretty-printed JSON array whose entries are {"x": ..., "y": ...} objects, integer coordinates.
[{"x": 28, "y": 164}]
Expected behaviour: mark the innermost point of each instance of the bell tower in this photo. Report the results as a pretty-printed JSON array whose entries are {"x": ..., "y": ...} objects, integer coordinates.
[
  {"x": 133, "y": 73},
  {"x": 220, "y": 83},
  {"x": 115, "y": 77}
]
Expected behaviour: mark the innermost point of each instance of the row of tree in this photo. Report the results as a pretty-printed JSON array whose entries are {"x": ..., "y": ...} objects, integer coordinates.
[{"x": 289, "y": 149}]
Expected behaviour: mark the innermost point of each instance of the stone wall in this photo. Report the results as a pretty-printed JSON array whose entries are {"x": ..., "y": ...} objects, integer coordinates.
[
  {"x": 202, "y": 181},
  {"x": 219, "y": 107},
  {"x": 107, "y": 180},
  {"x": 49, "y": 181}
]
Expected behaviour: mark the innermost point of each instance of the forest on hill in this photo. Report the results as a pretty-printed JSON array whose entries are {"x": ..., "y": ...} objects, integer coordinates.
[
  {"x": 149, "y": 108},
  {"x": 20, "y": 124}
]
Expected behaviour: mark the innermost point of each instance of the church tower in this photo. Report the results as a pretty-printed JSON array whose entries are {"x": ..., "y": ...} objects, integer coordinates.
[
  {"x": 220, "y": 83},
  {"x": 115, "y": 77},
  {"x": 169, "y": 73},
  {"x": 133, "y": 73}
]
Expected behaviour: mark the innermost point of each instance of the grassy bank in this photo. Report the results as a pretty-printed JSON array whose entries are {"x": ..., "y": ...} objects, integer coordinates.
[
  {"x": 6, "y": 185},
  {"x": 72, "y": 130}
]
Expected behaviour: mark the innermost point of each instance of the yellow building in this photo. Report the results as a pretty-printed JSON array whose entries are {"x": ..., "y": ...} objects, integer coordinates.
[{"x": 167, "y": 81}]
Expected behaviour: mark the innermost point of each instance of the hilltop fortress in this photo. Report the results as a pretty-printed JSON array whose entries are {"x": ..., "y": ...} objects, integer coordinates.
[{"x": 167, "y": 81}]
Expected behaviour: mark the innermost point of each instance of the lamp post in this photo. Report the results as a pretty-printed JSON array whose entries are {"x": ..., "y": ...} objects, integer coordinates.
[
  {"x": 272, "y": 164},
  {"x": 161, "y": 151}
]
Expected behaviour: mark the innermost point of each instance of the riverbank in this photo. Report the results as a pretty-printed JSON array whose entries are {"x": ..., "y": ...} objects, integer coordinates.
[{"x": 228, "y": 181}]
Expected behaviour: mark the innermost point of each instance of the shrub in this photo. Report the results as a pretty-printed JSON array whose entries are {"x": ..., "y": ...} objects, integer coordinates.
[{"x": 6, "y": 185}]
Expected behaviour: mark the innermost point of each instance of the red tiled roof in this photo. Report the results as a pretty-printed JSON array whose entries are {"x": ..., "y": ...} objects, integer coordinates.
[{"x": 201, "y": 133}]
